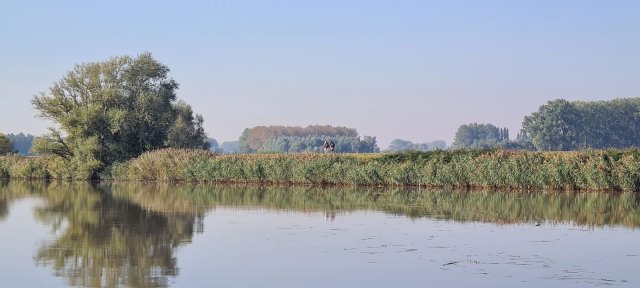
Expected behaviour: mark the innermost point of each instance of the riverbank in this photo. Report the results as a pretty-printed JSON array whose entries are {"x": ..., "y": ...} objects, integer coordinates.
[{"x": 602, "y": 170}]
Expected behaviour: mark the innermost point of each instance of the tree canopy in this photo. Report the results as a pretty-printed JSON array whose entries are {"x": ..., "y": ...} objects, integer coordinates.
[
  {"x": 565, "y": 125},
  {"x": 114, "y": 110},
  {"x": 483, "y": 136}
]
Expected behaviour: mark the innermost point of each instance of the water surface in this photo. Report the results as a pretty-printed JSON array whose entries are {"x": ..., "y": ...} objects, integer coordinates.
[{"x": 144, "y": 235}]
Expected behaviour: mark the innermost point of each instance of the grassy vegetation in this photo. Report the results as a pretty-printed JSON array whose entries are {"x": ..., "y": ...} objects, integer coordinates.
[
  {"x": 612, "y": 170},
  {"x": 45, "y": 167},
  {"x": 586, "y": 170}
]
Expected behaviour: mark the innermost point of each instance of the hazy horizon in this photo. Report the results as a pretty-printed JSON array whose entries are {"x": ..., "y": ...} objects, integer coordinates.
[{"x": 414, "y": 70}]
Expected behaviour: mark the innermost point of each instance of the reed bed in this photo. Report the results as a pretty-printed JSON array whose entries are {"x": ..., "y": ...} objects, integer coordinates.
[
  {"x": 610, "y": 170},
  {"x": 601, "y": 170}
]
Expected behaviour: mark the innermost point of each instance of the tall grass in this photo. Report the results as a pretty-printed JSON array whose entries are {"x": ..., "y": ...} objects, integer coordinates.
[
  {"x": 45, "y": 167},
  {"x": 613, "y": 170}
]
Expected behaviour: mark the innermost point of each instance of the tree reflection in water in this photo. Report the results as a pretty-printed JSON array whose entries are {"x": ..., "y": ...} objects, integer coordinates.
[{"x": 105, "y": 241}]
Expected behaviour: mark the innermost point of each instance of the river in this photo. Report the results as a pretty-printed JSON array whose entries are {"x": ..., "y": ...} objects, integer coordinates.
[{"x": 183, "y": 235}]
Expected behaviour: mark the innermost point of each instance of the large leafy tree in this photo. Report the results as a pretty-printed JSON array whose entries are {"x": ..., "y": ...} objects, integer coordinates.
[
  {"x": 187, "y": 131},
  {"x": 555, "y": 126},
  {"x": 114, "y": 110}
]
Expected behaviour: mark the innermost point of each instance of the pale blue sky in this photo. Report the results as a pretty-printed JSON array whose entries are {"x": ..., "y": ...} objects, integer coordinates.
[{"x": 414, "y": 70}]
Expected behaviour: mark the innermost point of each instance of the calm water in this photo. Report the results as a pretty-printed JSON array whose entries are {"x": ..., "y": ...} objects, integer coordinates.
[{"x": 143, "y": 235}]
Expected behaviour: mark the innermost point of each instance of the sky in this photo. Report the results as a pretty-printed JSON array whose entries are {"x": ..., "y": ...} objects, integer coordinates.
[{"x": 414, "y": 70}]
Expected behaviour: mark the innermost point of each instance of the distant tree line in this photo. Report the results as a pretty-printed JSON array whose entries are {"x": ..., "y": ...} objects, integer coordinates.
[
  {"x": 298, "y": 139},
  {"x": 563, "y": 125},
  {"x": 226, "y": 147},
  {"x": 481, "y": 136},
  {"x": 21, "y": 142},
  {"x": 574, "y": 125},
  {"x": 399, "y": 145},
  {"x": 313, "y": 143}
]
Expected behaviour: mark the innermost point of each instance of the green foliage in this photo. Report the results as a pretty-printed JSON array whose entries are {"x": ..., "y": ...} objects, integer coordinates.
[
  {"x": 29, "y": 169},
  {"x": 399, "y": 145},
  {"x": 187, "y": 131},
  {"x": 6, "y": 147},
  {"x": 6, "y": 162},
  {"x": 45, "y": 167},
  {"x": 15, "y": 166},
  {"x": 564, "y": 125},
  {"x": 255, "y": 138},
  {"x": 611, "y": 170},
  {"x": 554, "y": 126},
  {"x": 480, "y": 136},
  {"x": 164, "y": 165},
  {"x": 114, "y": 110}
]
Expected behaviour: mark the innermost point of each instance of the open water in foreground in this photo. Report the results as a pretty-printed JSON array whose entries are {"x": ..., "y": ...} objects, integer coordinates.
[{"x": 151, "y": 235}]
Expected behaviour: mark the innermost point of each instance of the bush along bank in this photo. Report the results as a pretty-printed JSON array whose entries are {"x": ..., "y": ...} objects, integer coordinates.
[{"x": 608, "y": 170}]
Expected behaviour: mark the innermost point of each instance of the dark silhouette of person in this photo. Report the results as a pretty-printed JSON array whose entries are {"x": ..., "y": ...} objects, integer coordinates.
[{"x": 325, "y": 146}]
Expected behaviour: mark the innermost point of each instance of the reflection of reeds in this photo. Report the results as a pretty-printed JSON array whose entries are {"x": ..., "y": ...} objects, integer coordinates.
[
  {"x": 612, "y": 170},
  {"x": 591, "y": 209}
]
